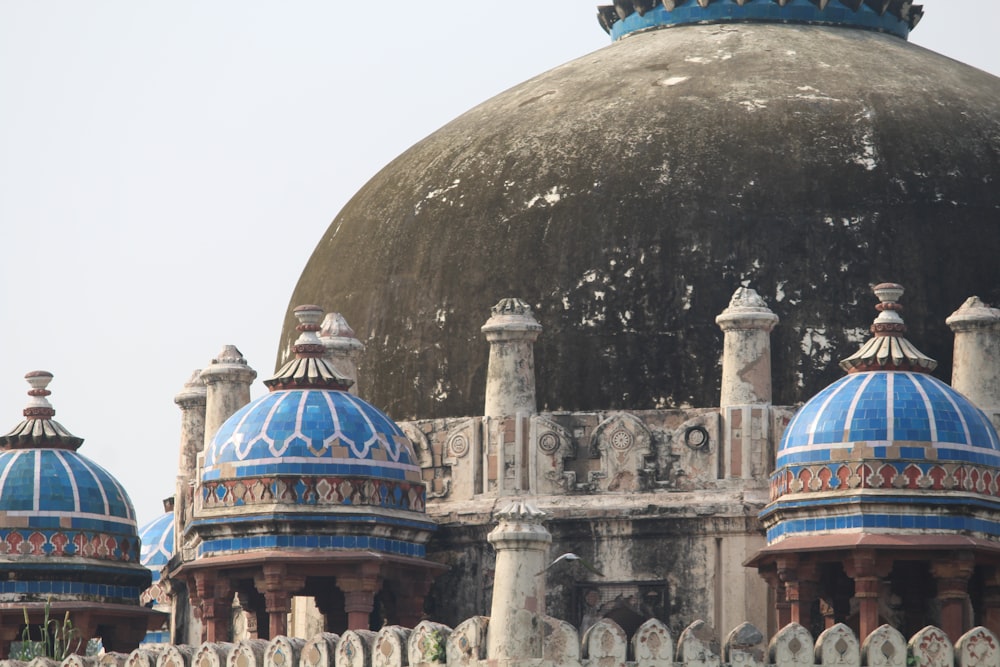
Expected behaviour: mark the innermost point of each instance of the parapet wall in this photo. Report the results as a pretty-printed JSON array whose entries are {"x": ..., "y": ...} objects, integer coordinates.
[{"x": 603, "y": 645}]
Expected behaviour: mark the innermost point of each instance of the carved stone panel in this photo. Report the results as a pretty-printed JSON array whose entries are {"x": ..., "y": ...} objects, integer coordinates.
[
  {"x": 624, "y": 445},
  {"x": 652, "y": 645},
  {"x": 931, "y": 648},
  {"x": 553, "y": 444},
  {"x": 886, "y": 647},
  {"x": 698, "y": 646},
  {"x": 838, "y": 646},
  {"x": 792, "y": 646}
]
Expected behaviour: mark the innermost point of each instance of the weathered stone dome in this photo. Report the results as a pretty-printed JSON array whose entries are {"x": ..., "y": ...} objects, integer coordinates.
[{"x": 625, "y": 194}]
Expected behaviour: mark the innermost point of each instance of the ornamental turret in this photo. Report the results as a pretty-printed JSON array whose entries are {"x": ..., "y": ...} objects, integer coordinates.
[
  {"x": 510, "y": 377},
  {"x": 975, "y": 371}
]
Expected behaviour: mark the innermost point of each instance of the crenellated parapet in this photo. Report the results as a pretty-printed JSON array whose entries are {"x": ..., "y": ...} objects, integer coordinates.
[
  {"x": 897, "y": 17},
  {"x": 604, "y": 644}
]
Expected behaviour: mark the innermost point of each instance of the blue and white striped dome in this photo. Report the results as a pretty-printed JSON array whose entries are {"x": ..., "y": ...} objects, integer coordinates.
[
  {"x": 67, "y": 499},
  {"x": 914, "y": 412}
]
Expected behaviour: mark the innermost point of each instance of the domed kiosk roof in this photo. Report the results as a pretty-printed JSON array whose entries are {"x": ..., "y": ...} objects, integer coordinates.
[
  {"x": 620, "y": 192},
  {"x": 887, "y": 448},
  {"x": 67, "y": 527},
  {"x": 317, "y": 465},
  {"x": 157, "y": 543}
]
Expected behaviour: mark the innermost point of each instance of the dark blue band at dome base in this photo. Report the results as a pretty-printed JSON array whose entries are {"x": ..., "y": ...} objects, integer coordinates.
[{"x": 795, "y": 11}]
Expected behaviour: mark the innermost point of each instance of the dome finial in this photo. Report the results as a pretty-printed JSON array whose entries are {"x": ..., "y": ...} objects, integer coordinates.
[
  {"x": 888, "y": 349},
  {"x": 38, "y": 429},
  {"x": 310, "y": 368}
]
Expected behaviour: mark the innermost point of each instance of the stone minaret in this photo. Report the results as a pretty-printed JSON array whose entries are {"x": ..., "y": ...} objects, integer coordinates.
[
  {"x": 746, "y": 355},
  {"x": 342, "y": 347},
  {"x": 510, "y": 377},
  {"x": 522, "y": 544},
  {"x": 976, "y": 367},
  {"x": 228, "y": 382}
]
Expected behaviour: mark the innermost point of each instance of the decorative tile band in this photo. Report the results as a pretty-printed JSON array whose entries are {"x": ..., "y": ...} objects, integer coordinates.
[
  {"x": 101, "y": 546},
  {"x": 882, "y": 523},
  {"x": 267, "y": 542},
  {"x": 911, "y": 475},
  {"x": 107, "y": 593},
  {"x": 315, "y": 491}
]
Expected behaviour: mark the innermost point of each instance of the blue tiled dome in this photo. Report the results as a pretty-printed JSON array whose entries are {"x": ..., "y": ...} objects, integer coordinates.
[
  {"x": 913, "y": 412},
  {"x": 322, "y": 432},
  {"x": 67, "y": 499}
]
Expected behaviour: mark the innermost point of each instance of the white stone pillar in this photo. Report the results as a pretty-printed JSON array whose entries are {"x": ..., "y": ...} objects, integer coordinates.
[
  {"x": 976, "y": 366},
  {"x": 342, "y": 347},
  {"x": 522, "y": 544},
  {"x": 746, "y": 353},
  {"x": 510, "y": 377},
  {"x": 228, "y": 382}
]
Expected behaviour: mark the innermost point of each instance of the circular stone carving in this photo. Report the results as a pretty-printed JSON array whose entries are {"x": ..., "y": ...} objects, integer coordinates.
[
  {"x": 459, "y": 445},
  {"x": 621, "y": 439},
  {"x": 696, "y": 437},
  {"x": 548, "y": 442}
]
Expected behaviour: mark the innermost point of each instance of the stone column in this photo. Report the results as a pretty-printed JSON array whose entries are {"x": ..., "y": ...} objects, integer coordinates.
[
  {"x": 991, "y": 602},
  {"x": 522, "y": 544},
  {"x": 510, "y": 377},
  {"x": 360, "y": 587},
  {"x": 976, "y": 367},
  {"x": 746, "y": 352},
  {"x": 215, "y": 598},
  {"x": 746, "y": 387},
  {"x": 191, "y": 401},
  {"x": 952, "y": 579},
  {"x": 867, "y": 571},
  {"x": 228, "y": 382},
  {"x": 342, "y": 347}
]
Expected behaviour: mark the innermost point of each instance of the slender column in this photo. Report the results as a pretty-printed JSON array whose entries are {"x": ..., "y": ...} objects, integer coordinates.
[
  {"x": 277, "y": 585},
  {"x": 976, "y": 366},
  {"x": 228, "y": 381},
  {"x": 746, "y": 355},
  {"x": 522, "y": 544},
  {"x": 191, "y": 401},
  {"x": 952, "y": 579},
  {"x": 216, "y": 601},
  {"x": 359, "y": 588},
  {"x": 801, "y": 588},
  {"x": 342, "y": 347},
  {"x": 867, "y": 571},
  {"x": 510, "y": 376},
  {"x": 991, "y": 603}
]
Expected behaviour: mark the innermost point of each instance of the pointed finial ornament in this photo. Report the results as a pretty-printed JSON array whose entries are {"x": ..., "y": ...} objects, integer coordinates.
[
  {"x": 310, "y": 368},
  {"x": 888, "y": 349},
  {"x": 38, "y": 429}
]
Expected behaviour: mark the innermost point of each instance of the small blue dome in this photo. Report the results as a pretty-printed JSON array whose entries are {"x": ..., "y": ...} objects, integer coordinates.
[
  {"x": 914, "y": 411},
  {"x": 157, "y": 538},
  {"x": 317, "y": 431},
  {"x": 55, "y": 502}
]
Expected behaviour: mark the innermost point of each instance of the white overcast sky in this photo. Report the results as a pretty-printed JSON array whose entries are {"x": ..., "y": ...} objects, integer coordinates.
[{"x": 166, "y": 169}]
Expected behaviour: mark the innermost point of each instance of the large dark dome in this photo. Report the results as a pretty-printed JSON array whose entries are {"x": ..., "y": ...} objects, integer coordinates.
[{"x": 626, "y": 194}]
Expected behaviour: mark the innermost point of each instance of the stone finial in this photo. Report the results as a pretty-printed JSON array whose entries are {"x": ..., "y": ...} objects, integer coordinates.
[
  {"x": 973, "y": 315},
  {"x": 228, "y": 366},
  {"x": 342, "y": 347},
  {"x": 888, "y": 349},
  {"x": 510, "y": 377},
  {"x": 38, "y": 429},
  {"x": 310, "y": 368},
  {"x": 193, "y": 393},
  {"x": 747, "y": 310}
]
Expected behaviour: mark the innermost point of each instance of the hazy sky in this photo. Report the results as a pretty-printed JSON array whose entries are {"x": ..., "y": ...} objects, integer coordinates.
[{"x": 167, "y": 168}]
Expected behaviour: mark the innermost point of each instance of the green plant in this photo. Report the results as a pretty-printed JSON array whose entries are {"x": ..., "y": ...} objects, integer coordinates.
[
  {"x": 56, "y": 640},
  {"x": 434, "y": 647}
]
